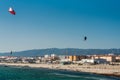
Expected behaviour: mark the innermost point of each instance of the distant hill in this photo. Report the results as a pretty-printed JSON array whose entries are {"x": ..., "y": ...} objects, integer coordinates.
[{"x": 66, "y": 51}]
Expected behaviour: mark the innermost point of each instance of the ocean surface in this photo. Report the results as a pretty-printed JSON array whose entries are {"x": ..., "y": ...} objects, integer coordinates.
[{"x": 26, "y": 73}]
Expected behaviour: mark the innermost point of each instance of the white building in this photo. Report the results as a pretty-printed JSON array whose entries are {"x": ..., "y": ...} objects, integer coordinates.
[
  {"x": 53, "y": 55},
  {"x": 46, "y": 56},
  {"x": 94, "y": 61},
  {"x": 101, "y": 61},
  {"x": 87, "y": 60}
]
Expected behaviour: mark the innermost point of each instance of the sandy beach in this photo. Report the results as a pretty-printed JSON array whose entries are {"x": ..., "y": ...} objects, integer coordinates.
[{"x": 97, "y": 69}]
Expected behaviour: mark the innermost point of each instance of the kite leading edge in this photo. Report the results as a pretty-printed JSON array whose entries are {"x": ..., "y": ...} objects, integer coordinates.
[{"x": 11, "y": 10}]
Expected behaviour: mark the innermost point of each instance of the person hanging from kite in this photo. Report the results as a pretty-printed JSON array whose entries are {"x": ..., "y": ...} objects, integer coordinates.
[
  {"x": 11, "y": 52},
  {"x": 85, "y": 38},
  {"x": 11, "y": 11}
]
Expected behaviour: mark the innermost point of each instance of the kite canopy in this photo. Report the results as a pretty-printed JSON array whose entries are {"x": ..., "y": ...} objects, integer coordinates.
[{"x": 12, "y": 11}]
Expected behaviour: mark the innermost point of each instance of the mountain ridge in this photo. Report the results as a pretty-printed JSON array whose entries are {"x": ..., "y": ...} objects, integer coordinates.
[{"x": 63, "y": 51}]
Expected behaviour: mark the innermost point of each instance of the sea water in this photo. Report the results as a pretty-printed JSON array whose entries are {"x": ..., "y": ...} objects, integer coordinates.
[{"x": 26, "y": 73}]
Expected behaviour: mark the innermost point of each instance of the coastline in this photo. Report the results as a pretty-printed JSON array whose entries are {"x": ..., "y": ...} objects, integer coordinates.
[{"x": 107, "y": 70}]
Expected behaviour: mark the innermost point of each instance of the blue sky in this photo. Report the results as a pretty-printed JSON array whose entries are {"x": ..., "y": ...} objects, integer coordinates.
[{"x": 42, "y": 24}]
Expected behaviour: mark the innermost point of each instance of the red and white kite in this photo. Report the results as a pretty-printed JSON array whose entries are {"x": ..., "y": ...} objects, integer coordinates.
[{"x": 12, "y": 11}]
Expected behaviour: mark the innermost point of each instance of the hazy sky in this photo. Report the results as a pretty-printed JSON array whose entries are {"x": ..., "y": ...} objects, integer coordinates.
[{"x": 59, "y": 24}]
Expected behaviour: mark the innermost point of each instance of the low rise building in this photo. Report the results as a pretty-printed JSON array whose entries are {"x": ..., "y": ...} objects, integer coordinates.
[
  {"x": 88, "y": 61},
  {"x": 117, "y": 58},
  {"x": 109, "y": 58},
  {"x": 76, "y": 57},
  {"x": 94, "y": 61}
]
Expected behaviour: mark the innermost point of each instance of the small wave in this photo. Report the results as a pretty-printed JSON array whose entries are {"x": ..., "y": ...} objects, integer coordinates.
[
  {"x": 98, "y": 78},
  {"x": 68, "y": 75},
  {"x": 85, "y": 77}
]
